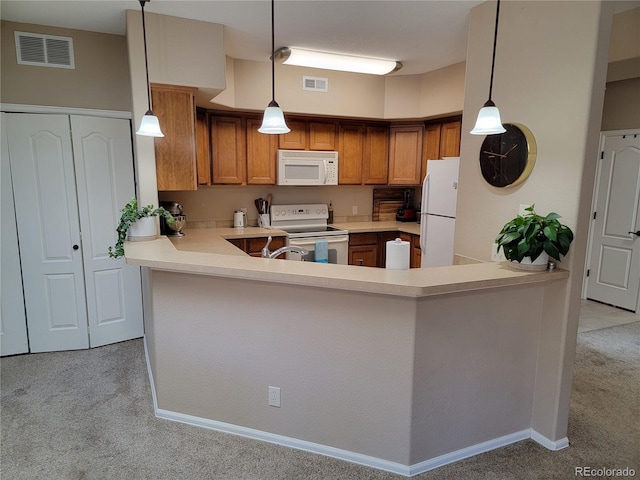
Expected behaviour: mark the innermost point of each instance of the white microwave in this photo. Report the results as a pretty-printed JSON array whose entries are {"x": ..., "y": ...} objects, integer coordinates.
[{"x": 303, "y": 167}]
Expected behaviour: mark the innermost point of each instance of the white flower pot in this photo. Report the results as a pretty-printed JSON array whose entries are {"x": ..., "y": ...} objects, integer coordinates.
[
  {"x": 539, "y": 263},
  {"x": 142, "y": 229}
]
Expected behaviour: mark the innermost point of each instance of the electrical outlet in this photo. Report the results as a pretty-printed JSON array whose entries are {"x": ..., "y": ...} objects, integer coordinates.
[
  {"x": 354, "y": 209},
  {"x": 495, "y": 256},
  {"x": 274, "y": 396}
]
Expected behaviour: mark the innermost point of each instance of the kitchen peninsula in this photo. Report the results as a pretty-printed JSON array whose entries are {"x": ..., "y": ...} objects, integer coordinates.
[{"x": 399, "y": 370}]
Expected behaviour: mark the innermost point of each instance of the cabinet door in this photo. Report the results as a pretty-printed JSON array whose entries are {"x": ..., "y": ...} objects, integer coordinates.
[
  {"x": 375, "y": 161},
  {"x": 450, "y": 139},
  {"x": 405, "y": 155},
  {"x": 351, "y": 151},
  {"x": 176, "y": 151},
  {"x": 363, "y": 256},
  {"x": 322, "y": 136},
  {"x": 261, "y": 155},
  {"x": 297, "y": 138},
  {"x": 228, "y": 147},
  {"x": 203, "y": 152},
  {"x": 432, "y": 135}
]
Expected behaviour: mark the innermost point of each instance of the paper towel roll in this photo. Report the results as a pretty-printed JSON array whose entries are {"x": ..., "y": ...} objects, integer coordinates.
[{"x": 398, "y": 254}]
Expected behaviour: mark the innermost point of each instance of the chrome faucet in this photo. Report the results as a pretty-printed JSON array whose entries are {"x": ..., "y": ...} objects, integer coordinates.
[{"x": 289, "y": 248}]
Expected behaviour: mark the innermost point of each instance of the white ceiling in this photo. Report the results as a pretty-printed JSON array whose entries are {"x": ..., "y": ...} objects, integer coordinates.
[{"x": 423, "y": 35}]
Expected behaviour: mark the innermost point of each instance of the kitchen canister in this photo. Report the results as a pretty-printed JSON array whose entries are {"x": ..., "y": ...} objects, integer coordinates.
[
  {"x": 398, "y": 255},
  {"x": 239, "y": 219}
]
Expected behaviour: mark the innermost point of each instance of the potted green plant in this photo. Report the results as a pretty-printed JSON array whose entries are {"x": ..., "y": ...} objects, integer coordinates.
[
  {"x": 138, "y": 222},
  {"x": 532, "y": 239}
]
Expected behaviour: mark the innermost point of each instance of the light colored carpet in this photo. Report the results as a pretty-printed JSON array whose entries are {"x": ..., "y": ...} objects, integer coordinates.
[{"x": 88, "y": 415}]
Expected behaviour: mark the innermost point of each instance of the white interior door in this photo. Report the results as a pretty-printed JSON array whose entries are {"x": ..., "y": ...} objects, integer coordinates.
[
  {"x": 13, "y": 323},
  {"x": 614, "y": 264},
  {"x": 104, "y": 177},
  {"x": 46, "y": 208}
]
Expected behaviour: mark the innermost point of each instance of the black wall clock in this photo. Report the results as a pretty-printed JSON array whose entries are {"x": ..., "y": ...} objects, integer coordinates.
[{"x": 507, "y": 159}]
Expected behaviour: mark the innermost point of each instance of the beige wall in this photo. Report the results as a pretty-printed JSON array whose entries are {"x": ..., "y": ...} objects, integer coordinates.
[
  {"x": 625, "y": 36},
  {"x": 100, "y": 80},
  {"x": 560, "y": 100},
  {"x": 622, "y": 105},
  {"x": 181, "y": 52}
]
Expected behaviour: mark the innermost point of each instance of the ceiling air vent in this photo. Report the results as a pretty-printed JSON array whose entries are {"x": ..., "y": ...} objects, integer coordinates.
[
  {"x": 44, "y": 50},
  {"x": 315, "y": 84}
]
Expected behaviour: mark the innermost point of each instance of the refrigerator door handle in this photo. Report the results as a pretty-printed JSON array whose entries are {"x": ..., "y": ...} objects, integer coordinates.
[{"x": 423, "y": 213}]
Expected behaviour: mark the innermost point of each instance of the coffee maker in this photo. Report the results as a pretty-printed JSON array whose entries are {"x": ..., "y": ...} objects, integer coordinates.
[{"x": 175, "y": 230}]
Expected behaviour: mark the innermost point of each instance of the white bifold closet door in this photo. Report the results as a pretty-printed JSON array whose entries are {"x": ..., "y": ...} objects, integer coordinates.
[{"x": 71, "y": 176}]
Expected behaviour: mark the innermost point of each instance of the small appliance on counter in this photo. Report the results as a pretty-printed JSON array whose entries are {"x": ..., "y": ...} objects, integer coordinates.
[
  {"x": 175, "y": 230},
  {"x": 407, "y": 213}
]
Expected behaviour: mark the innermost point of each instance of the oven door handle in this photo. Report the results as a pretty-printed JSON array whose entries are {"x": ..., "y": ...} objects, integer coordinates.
[{"x": 313, "y": 242}]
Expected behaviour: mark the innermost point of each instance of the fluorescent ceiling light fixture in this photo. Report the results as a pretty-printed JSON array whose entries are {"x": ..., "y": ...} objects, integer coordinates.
[{"x": 335, "y": 61}]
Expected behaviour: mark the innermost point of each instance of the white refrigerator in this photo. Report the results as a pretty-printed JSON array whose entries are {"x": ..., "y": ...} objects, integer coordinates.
[{"x": 438, "y": 212}]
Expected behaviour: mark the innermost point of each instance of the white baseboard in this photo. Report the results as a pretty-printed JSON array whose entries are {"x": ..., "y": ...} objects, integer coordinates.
[
  {"x": 467, "y": 452},
  {"x": 550, "y": 444},
  {"x": 373, "y": 462}
]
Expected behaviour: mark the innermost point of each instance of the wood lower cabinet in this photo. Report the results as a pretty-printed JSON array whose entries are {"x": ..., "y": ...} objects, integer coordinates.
[
  {"x": 261, "y": 155},
  {"x": 405, "y": 154},
  {"x": 254, "y": 246},
  {"x": 370, "y": 249},
  {"x": 363, "y": 249},
  {"x": 228, "y": 150},
  {"x": 175, "y": 107}
]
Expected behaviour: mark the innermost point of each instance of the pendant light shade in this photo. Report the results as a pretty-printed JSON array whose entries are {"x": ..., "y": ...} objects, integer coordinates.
[
  {"x": 149, "y": 126},
  {"x": 488, "y": 122},
  {"x": 273, "y": 120}
]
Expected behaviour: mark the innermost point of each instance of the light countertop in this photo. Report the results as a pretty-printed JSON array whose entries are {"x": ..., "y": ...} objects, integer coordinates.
[{"x": 207, "y": 252}]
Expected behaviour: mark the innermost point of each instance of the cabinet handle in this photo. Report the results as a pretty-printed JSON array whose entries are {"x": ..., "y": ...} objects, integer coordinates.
[
  {"x": 76, "y": 247},
  {"x": 360, "y": 262},
  {"x": 636, "y": 233}
]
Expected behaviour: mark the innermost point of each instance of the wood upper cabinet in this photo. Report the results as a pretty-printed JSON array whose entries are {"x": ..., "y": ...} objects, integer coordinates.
[
  {"x": 228, "y": 150},
  {"x": 203, "y": 148},
  {"x": 175, "y": 108},
  {"x": 375, "y": 162},
  {"x": 322, "y": 136},
  {"x": 261, "y": 155},
  {"x": 297, "y": 138},
  {"x": 450, "y": 139},
  {"x": 431, "y": 145},
  {"x": 405, "y": 154},
  {"x": 350, "y": 153}
]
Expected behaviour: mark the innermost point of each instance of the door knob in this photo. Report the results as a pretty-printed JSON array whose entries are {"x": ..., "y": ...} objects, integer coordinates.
[
  {"x": 636, "y": 233},
  {"x": 75, "y": 247}
]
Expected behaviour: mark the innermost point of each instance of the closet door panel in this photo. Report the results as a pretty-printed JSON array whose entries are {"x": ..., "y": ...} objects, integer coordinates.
[{"x": 46, "y": 208}]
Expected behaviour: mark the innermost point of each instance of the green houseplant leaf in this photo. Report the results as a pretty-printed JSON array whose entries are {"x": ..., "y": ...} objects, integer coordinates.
[
  {"x": 531, "y": 234},
  {"x": 129, "y": 215}
]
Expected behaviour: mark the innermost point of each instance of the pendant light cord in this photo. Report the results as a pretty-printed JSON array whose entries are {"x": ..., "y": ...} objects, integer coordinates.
[
  {"x": 146, "y": 62},
  {"x": 493, "y": 59},
  {"x": 273, "y": 48}
]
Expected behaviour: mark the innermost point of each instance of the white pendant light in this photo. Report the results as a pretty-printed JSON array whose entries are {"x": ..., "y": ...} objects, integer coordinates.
[
  {"x": 273, "y": 121},
  {"x": 149, "y": 126},
  {"x": 488, "y": 122},
  {"x": 334, "y": 61}
]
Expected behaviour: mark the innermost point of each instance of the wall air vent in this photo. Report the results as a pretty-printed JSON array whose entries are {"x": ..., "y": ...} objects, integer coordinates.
[
  {"x": 44, "y": 50},
  {"x": 315, "y": 84}
]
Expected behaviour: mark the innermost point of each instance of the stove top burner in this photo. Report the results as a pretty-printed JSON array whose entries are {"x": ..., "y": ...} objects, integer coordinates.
[{"x": 303, "y": 220}]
